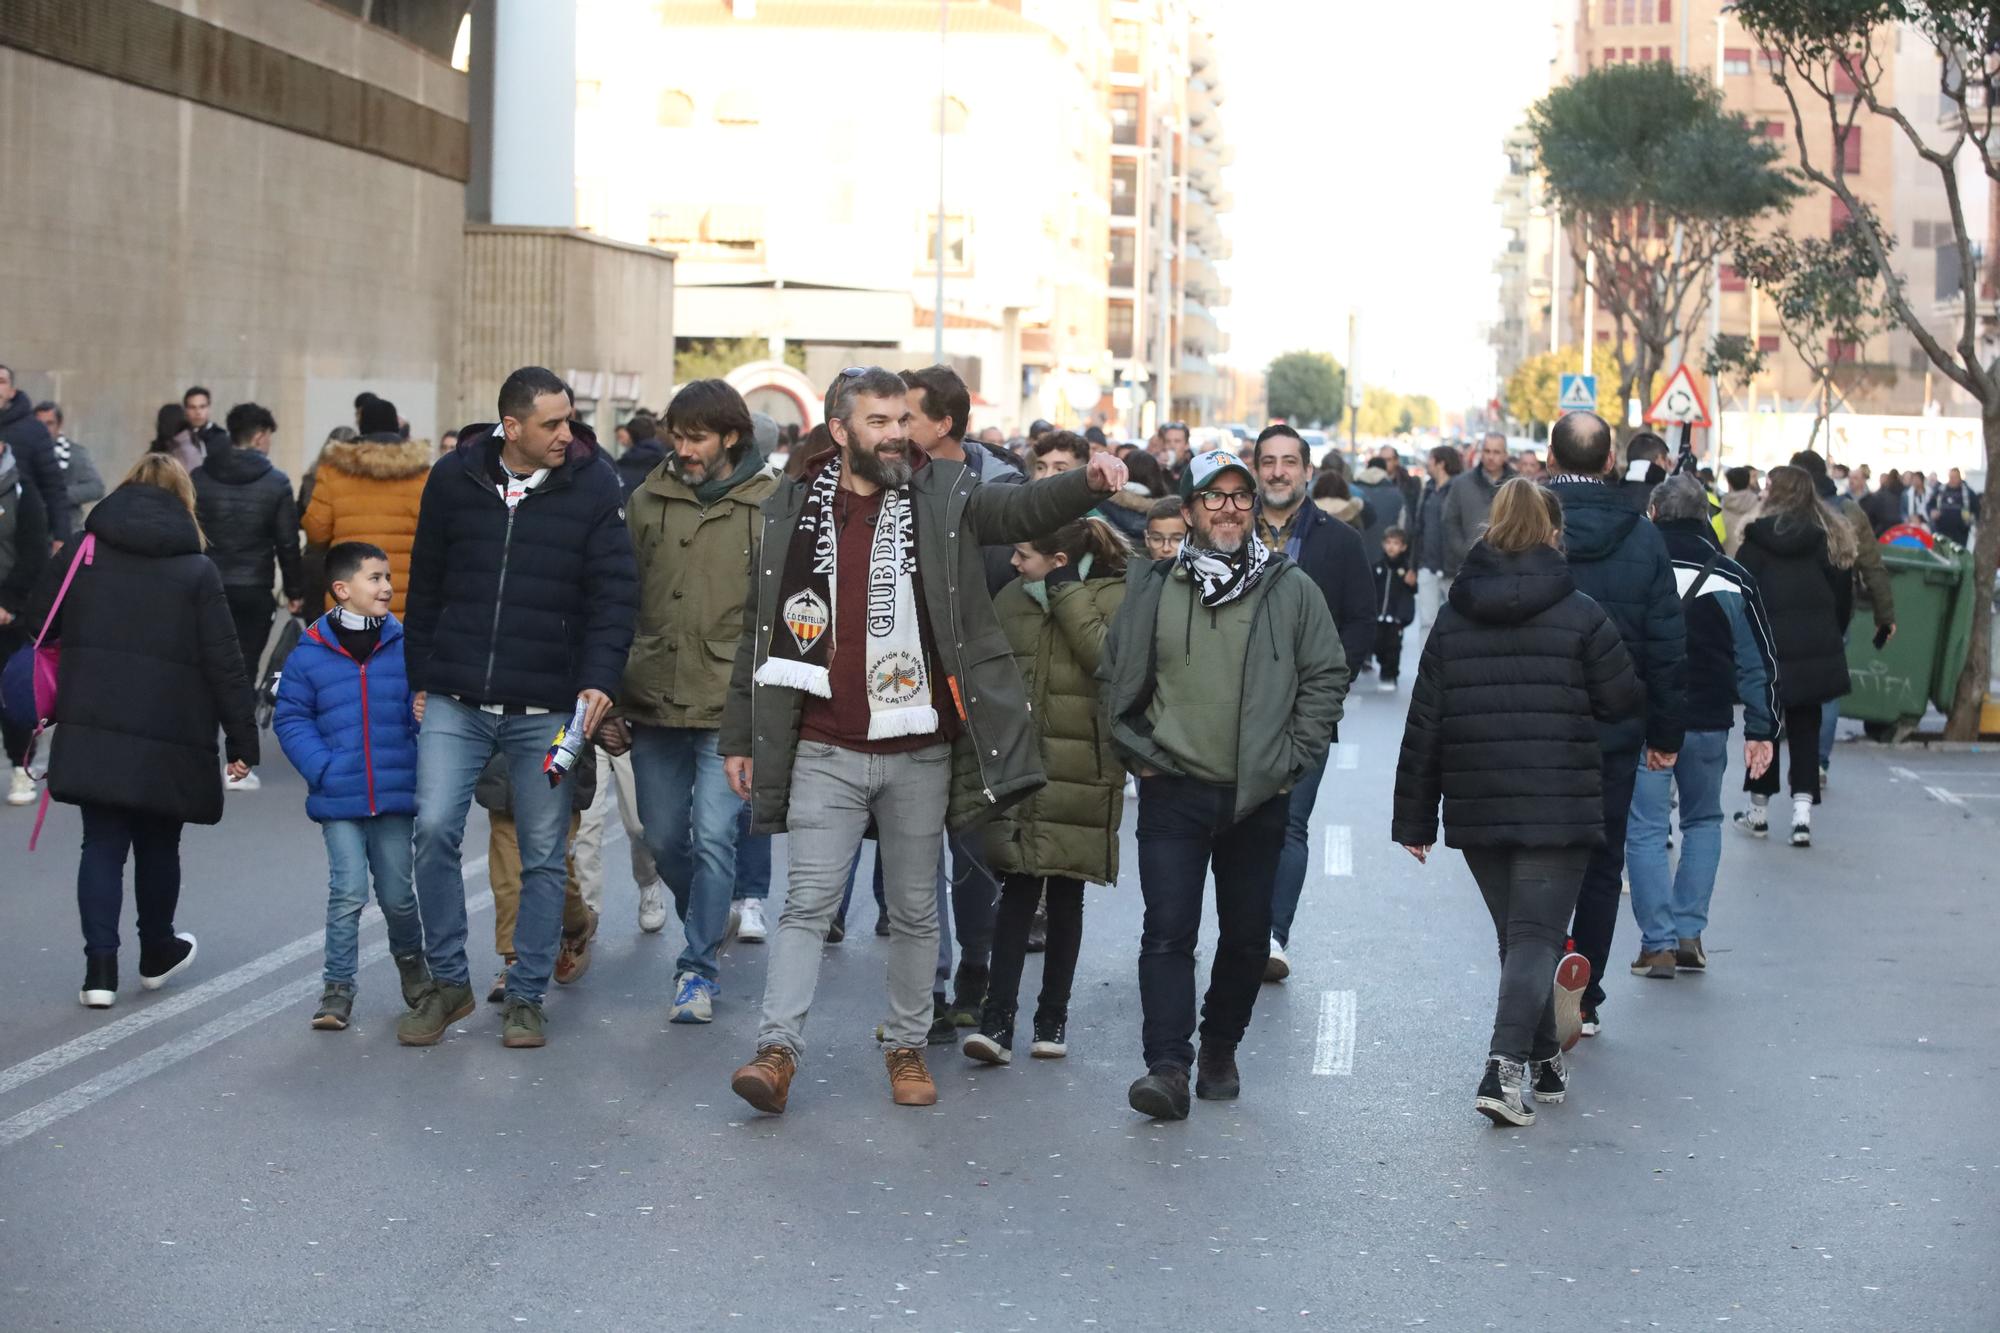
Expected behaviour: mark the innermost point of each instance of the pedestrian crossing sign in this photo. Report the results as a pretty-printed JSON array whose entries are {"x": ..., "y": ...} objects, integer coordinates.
[{"x": 1579, "y": 394}]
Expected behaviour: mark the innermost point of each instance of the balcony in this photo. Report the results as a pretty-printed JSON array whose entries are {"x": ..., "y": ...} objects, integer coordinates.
[
  {"x": 1201, "y": 51},
  {"x": 1122, "y": 275}
]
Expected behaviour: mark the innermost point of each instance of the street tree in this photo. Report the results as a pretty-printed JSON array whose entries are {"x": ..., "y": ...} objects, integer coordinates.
[
  {"x": 1828, "y": 294},
  {"x": 1656, "y": 182},
  {"x": 1833, "y": 61},
  {"x": 1533, "y": 391},
  {"x": 1306, "y": 387}
]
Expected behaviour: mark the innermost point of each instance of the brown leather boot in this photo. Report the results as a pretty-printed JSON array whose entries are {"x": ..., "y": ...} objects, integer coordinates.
[
  {"x": 909, "y": 1079},
  {"x": 766, "y": 1081}
]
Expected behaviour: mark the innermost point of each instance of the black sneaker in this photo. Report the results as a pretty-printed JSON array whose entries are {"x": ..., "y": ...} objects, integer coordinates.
[
  {"x": 100, "y": 981},
  {"x": 1500, "y": 1096},
  {"x": 993, "y": 1044},
  {"x": 881, "y": 926},
  {"x": 1216, "y": 1079},
  {"x": 969, "y": 994},
  {"x": 1162, "y": 1094},
  {"x": 1051, "y": 1038},
  {"x": 1690, "y": 956},
  {"x": 1551, "y": 1079},
  {"x": 943, "y": 1031},
  {"x": 836, "y": 931},
  {"x": 161, "y": 960}
]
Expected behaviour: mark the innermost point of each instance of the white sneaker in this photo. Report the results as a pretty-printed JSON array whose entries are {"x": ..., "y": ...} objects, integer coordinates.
[
  {"x": 735, "y": 924},
  {"x": 1385, "y": 686},
  {"x": 1802, "y": 822},
  {"x": 248, "y": 782},
  {"x": 21, "y": 788},
  {"x": 752, "y": 930},
  {"x": 1280, "y": 966},
  {"x": 694, "y": 999},
  {"x": 652, "y": 907}
]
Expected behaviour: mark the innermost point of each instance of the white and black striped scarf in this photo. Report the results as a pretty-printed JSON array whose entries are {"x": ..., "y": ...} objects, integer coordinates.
[{"x": 1222, "y": 578}]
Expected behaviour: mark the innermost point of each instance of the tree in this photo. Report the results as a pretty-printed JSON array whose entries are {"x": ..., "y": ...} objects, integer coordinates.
[
  {"x": 1386, "y": 412},
  {"x": 1535, "y": 386},
  {"x": 1307, "y": 388},
  {"x": 1655, "y": 182},
  {"x": 714, "y": 358},
  {"x": 1832, "y": 63},
  {"x": 1828, "y": 294}
]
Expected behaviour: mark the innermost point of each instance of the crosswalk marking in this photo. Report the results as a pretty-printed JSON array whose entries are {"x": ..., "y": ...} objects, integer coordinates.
[
  {"x": 1333, "y": 1050},
  {"x": 1339, "y": 849}
]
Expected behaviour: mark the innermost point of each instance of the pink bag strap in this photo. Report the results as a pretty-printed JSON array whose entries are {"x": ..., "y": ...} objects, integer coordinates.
[{"x": 86, "y": 553}]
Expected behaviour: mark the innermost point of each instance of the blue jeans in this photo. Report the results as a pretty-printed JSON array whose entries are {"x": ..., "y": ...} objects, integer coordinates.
[
  {"x": 753, "y": 859},
  {"x": 1671, "y": 904},
  {"x": 453, "y": 746},
  {"x": 690, "y": 815},
  {"x": 354, "y": 847},
  {"x": 1291, "y": 880},
  {"x": 1829, "y": 723}
]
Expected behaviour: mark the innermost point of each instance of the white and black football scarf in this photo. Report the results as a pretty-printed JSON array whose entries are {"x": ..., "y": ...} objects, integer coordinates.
[
  {"x": 1221, "y": 578},
  {"x": 898, "y": 680}
]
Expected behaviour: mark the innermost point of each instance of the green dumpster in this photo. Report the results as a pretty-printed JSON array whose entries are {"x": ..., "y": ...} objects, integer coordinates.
[{"x": 1893, "y": 685}]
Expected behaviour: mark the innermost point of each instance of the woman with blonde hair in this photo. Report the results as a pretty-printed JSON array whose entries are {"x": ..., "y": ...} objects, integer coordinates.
[
  {"x": 1802, "y": 554},
  {"x": 1517, "y": 672},
  {"x": 150, "y": 668}
]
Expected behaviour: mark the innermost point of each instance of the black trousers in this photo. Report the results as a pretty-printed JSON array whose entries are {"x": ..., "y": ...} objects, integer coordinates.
[
  {"x": 154, "y": 844},
  {"x": 251, "y": 609},
  {"x": 1183, "y": 826},
  {"x": 1597, "y": 904},
  {"x": 1388, "y": 648},
  {"x": 1529, "y": 892},
  {"x": 1018, "y": 896},
  {"x": 15, "y": 738},
  {"x": 1801, "y": 748}
]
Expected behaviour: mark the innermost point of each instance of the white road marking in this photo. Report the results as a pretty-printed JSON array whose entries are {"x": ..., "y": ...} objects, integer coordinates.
[
  {"x": 1339, "y": 849},
  {"x": 1346, "y": 755},
  {"x": 1949, "y": 798},
  {"x": 90, "y": 1043},
  {"x": 1333, "y": 1051},
  {"x": 1905, "y": 774}
]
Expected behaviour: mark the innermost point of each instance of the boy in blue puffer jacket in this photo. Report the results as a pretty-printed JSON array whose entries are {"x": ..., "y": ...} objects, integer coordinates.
[{"x": 344, "y": 720}]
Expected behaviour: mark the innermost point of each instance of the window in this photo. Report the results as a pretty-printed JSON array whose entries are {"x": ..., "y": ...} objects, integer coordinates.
[
  {"x": 1118, "y": 328},
  {"x": 676, "y": 110},
  {"x": 957, "y": 244},
  {"x": 1732, "y": 281},
  {"x": 1839, "y": 352},
  {"x": 1124, "y": 47},
  {"x": 1843, "y": 79},
  {"x": 1736, "y": 62},
  {"x": 1773, "y": 129},
  {"x": 1124, "y": 250},
  {"x": 1124, "y": 189},
  {"x": 1770, "y": 60},
  {"x": 1767, "y": 343},
  {"x": 1610, "y": 56},
  {"x": 1666, "y": 14},
  {"x": 1666, "y": 55},
  {"x": 1610, "y": 13},
  {"x": 1840, "y": 213},
  {"x": 1628, "y": 11},
  {"x": 1646, "y": 55},
  {"x": 1849, "y": 137},
  {"x": 1625, "y": 54},
  {"x": 676, "y": 224},
  {"x": 1125, "y": 117}
]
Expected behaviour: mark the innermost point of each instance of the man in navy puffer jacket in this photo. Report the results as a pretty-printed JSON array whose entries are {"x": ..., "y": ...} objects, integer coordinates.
[
  {"x": 1620, "y": 561},
  {"x": 522, "y": 597}
]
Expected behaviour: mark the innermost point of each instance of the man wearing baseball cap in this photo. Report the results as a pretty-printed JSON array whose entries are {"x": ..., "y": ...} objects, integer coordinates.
[{"x": 1223, "y": 678}]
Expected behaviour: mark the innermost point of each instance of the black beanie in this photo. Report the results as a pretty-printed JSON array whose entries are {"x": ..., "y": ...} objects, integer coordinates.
[{"x": 378, "y": 417}]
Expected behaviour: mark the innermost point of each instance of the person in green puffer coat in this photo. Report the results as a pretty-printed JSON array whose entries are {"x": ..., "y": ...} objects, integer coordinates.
[{"x": 1055, "y": 615}]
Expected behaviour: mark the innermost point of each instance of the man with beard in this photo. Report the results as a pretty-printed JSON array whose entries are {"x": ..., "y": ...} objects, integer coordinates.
[
  {"x": 1223, "y": 678},
  {"x": 873, "y": 684},
  {"x": 1329, "y": 551},
  {"x": 693, "y": 523}
]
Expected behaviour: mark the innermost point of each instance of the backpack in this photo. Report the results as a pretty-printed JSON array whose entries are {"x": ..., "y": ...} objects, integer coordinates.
[{"x": 28, "y": 690}]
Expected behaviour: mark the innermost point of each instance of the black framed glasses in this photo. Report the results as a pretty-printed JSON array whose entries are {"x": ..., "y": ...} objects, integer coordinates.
[{"x": 1214, "y": 501}]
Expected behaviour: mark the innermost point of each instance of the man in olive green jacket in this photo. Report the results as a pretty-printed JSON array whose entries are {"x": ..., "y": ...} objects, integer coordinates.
[
  {"x": 694, "y": 523},
  {"x": 1223, "y": 677},
  {"x": 873, "y": 684}
]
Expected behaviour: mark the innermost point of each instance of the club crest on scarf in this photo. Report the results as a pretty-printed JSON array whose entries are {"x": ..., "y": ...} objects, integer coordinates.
[{"x": 807, "y": 617}]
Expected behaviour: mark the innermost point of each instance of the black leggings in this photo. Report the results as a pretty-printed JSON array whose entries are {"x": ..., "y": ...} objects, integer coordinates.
[
  {"x": 1802, "y": 741},
  {"x": 1018, "y": 896}
]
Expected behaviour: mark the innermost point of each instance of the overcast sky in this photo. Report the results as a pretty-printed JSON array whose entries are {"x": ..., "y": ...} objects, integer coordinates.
[{"x": 1368, "y": 149}]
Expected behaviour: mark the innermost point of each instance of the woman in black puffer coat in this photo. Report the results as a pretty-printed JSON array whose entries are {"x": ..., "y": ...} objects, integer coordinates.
[
  {"x": 1802, "y": 555},
  {"x": 1516, "y": 674},
  {"x": 150, "y": 666}
]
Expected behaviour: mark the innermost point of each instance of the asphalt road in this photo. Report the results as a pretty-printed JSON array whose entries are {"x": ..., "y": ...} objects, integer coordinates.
[{"x": 1801, "y": 1139}]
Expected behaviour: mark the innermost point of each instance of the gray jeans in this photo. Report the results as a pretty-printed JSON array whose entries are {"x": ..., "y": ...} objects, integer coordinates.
[
  {"x": 1530, "y": 893},
  {"x": 835, "y": 793}
]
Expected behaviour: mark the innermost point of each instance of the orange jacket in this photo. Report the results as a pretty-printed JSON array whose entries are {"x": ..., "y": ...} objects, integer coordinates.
[{"x": 370, "y": 491}]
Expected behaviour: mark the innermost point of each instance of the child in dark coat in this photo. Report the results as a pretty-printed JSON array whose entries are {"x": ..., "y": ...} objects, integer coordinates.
[
  {"x": 343, "y": 718},
  {"x": 1395, "y": 605}
]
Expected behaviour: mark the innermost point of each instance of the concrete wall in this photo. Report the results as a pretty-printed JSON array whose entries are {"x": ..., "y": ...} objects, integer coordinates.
[
  {"x": 599, "y": 313},
  {"x": 149, "y": 241}
]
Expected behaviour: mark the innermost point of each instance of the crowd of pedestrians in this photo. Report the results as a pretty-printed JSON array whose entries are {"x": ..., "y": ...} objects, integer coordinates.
[{"x": 972, "y": 656}]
